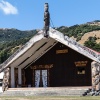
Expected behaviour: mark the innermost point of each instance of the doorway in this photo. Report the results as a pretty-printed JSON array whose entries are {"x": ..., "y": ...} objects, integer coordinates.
[{"x": 41, "y": 78}]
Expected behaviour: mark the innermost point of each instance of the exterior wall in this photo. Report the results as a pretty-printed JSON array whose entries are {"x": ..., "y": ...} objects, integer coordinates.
[{"x": 69, "y": 68}]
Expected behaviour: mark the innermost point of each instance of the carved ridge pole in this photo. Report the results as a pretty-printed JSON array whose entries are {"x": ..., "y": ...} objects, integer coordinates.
[
  {"x": 46, "y": 19},
  {"x": 5, "y": 83}
]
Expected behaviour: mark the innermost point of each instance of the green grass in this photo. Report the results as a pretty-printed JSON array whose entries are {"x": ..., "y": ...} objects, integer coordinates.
[{"x": 51, "y": 98}]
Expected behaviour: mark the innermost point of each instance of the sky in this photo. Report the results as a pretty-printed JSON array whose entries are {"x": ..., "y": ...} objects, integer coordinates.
[{"x": 28, "y": 14}]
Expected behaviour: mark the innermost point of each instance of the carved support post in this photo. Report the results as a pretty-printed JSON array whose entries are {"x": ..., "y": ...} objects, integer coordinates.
[
  {"x": 5, "y": 83},
  {"x": 95, "y": 75}
]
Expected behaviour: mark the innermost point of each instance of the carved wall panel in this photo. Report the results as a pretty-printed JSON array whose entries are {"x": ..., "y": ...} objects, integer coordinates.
[
  {"x": 44, "y": 78},
  {"x": 95, "y": 75},
  {"x": 5, "y": 83},
  {"x": 41, "y": 78},
  {"x": 37, "y": 78}
]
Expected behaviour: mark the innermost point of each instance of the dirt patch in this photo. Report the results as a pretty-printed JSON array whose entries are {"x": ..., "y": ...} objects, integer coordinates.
[{"x": 90, "y": 34}]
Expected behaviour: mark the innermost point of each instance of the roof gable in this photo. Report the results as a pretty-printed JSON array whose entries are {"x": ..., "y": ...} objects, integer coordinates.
[
  {"x": 39, "y": 45},
  {"x": 75, "y": 45}
]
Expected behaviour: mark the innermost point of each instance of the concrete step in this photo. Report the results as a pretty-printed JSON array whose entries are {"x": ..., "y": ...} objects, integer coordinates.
[{"x": 52, "y": 91}]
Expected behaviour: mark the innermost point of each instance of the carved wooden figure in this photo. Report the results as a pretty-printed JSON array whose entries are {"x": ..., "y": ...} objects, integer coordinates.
[{"x": 46, "y": 19}]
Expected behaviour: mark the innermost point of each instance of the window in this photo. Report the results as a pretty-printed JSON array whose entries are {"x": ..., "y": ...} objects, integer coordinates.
[{"x": 80, "y": 70}]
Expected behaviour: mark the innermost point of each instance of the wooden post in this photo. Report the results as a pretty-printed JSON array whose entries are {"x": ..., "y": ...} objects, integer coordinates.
[
  {"x": 12, "y": 77},
  {"x": 19, "y": 76}
]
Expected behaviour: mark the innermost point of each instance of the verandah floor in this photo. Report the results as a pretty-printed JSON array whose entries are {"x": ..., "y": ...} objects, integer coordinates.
[{"x": 51, "y": 88}]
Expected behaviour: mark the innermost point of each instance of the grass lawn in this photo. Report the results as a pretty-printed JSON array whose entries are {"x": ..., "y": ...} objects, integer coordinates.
[{"x": 51, "y": 98}]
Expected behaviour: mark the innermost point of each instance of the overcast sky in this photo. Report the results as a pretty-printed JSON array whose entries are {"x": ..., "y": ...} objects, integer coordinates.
[{"x": 28, "y": 14}]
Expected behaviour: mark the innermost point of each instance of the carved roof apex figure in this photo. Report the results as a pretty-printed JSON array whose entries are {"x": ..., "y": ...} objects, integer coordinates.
[{"x": 46, "y": 7}]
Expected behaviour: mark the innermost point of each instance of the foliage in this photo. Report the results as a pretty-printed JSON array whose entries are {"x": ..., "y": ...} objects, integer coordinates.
[
  {"x": 14, "y": 34},
  {"x": 11, "y": 40},
  {"x": 91, "y": 43},
  {"x": 78, "y": 30}
]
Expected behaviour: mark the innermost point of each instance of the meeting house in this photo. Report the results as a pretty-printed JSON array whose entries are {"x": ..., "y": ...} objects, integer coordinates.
[{"x": 51, "y": 59}]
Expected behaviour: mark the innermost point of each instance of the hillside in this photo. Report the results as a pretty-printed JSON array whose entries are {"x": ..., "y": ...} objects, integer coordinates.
[
  {"x": 14, "y": 34},
  {"x": 86, "y": 34},
  {"x": 11, "y": 40},
  {"x": 96, "y": 33}
]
